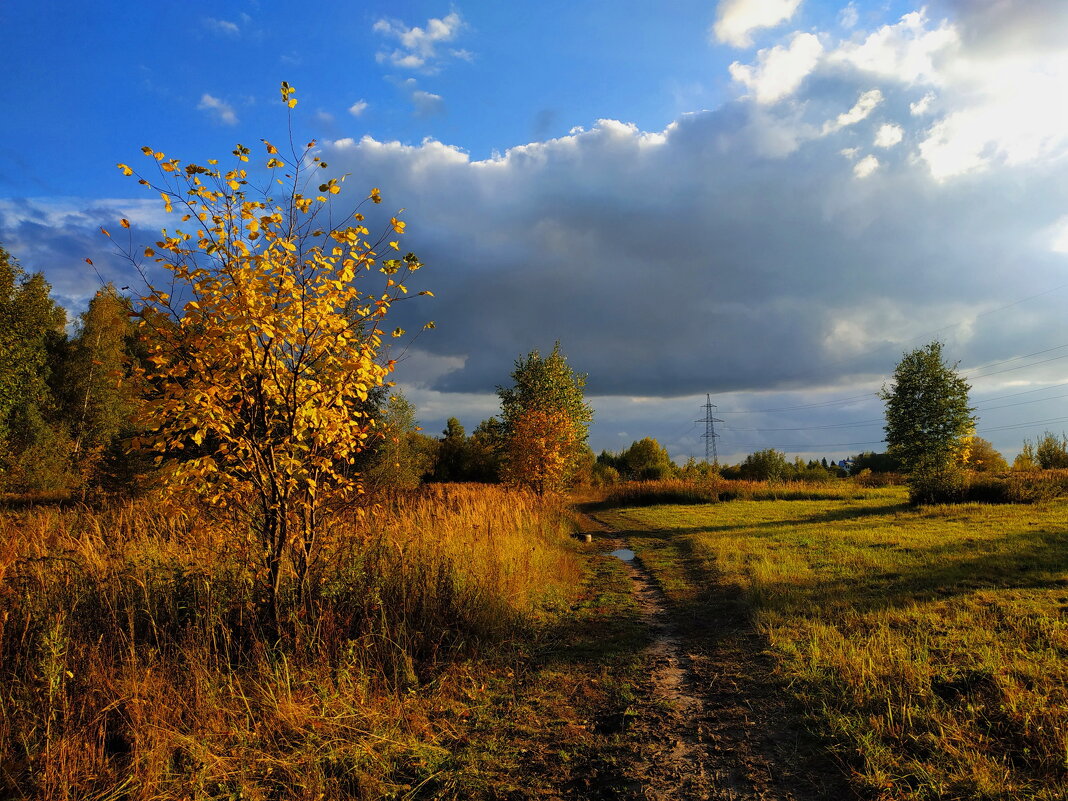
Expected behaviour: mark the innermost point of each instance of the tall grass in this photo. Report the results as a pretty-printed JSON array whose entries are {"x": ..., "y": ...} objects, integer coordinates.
[{"x": 133, "y": 663}]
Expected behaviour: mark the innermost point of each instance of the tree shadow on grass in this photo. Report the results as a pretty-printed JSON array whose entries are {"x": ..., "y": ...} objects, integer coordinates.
[
  {"x": 717, "y": 614},
  {"x": 1035, "y": 560}
]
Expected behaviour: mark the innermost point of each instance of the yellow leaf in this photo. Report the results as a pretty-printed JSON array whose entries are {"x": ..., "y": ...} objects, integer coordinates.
[
  {"x": 125, "y": 170},
  {"x": 124, "y": 223}
]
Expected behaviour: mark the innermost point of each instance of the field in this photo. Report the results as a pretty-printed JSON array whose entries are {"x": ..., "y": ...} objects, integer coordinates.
[
  {"x": 926, "y": 646},
  {"x": 829, "y": 642},
  {"x": 133, "y": 663}
]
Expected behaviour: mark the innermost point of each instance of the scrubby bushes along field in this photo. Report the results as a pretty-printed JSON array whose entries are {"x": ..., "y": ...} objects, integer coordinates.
[{"x": 1013, "y": 487}]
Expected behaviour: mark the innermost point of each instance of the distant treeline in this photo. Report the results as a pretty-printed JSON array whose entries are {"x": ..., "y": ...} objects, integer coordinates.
[{"x": 69, "y": 404}]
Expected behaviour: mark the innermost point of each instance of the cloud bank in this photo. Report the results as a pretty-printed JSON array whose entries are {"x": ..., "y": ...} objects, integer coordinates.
[
  {"x": 860, "y": 195},
  {"x": 737, "y": 248}
]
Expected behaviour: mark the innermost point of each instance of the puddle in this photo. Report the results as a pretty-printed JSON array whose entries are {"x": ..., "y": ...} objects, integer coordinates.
[{"x": 626, "y": 554}]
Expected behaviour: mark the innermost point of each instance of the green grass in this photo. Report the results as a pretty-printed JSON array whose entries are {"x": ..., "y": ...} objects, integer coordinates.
[{"x": 928, "y": 645}]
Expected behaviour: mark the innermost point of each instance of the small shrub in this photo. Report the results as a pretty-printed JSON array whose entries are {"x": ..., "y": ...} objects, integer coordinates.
[
  {"x": 1016, "y": 487},
  {"x": 866, "y": 478}
]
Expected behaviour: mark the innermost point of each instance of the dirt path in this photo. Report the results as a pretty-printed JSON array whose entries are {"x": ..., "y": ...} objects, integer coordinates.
[{"x": 713, "y": 723}]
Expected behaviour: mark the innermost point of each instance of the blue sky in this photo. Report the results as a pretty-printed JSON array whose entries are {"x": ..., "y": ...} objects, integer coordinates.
[{"x": 768, "y": 200}]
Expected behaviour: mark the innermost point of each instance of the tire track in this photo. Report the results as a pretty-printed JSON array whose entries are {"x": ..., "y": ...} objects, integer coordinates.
[{"x": 713, "y": 724}]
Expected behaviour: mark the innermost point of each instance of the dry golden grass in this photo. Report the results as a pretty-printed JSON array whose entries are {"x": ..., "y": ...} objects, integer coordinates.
[{"x": 133, "y": 664}]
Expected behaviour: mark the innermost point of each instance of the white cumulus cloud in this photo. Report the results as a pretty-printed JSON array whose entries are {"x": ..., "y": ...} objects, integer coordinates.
[
  {"x": 420, "y": 48},
  {"x": 889, "y": 135},
  {"x": 866, "y": 166},
  {"x": 219, "y": 109},
  {"x": 358, "y": 108},
  {"x": 909, "y": 51},
  {"x": 922, "y": 106},
  {"x": 865, "y": 105},
  {"x": 427, "y": 103},
  {"x": 737, "y": 19},
  {"x": 779, "y": 70}
]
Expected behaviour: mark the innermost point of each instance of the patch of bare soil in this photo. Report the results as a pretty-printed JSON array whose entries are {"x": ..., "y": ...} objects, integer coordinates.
[{"x": 713, "y": 722}]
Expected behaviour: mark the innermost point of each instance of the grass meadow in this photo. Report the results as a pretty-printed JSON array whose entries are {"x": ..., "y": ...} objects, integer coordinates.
[
  {"x": 132, "y": 663},
  {"x": 927, "y": 645}
]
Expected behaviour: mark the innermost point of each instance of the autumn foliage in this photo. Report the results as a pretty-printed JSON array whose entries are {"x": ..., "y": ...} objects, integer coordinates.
[
  {"x": 545, "y": 422},
  {"x": 540, "y": 450},
  {"x": 261, "y": 362}
]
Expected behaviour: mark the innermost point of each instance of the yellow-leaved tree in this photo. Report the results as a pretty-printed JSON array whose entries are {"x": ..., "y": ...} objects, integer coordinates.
[{"x": 263, "y": 348}]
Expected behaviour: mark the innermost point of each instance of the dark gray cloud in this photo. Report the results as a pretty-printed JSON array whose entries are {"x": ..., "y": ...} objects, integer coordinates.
[
  {"x": 1015, "y": 24},
  {"x": 692, "y": 261}
]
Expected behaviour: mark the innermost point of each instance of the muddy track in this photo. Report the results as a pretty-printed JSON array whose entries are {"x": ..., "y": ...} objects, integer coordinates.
[{"x": 713, "y": 723}]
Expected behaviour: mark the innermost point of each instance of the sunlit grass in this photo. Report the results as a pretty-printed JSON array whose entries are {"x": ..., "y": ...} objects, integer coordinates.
[
  {"x": 133, "y": 662},
  {"x": 929, "y": 644}
]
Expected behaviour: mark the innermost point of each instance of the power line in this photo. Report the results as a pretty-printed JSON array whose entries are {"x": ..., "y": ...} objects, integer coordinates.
[
  {"x": 1013, "y": 426},
  {"x": 860, "y": 423},
  {"x": 822, "y": 404},
  {"x": 1028, "y": 392},
  {"x": 1015, "y": 358},
  {"x": 1020, "y": 367}
]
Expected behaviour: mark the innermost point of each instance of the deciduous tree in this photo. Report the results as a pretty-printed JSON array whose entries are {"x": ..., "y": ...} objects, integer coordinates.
[
  {"x": 261, "y": 360},
  {"x": 1052, "y": 451},
  {"x": 99, "y": 398},
  {"x": 928, "y": 420},
  {"x": 982, "y": 457},
  {"x": 545, "y": 420},
  {"x": 766, "y": 465},
  {"x": 646, "y": 460}
]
